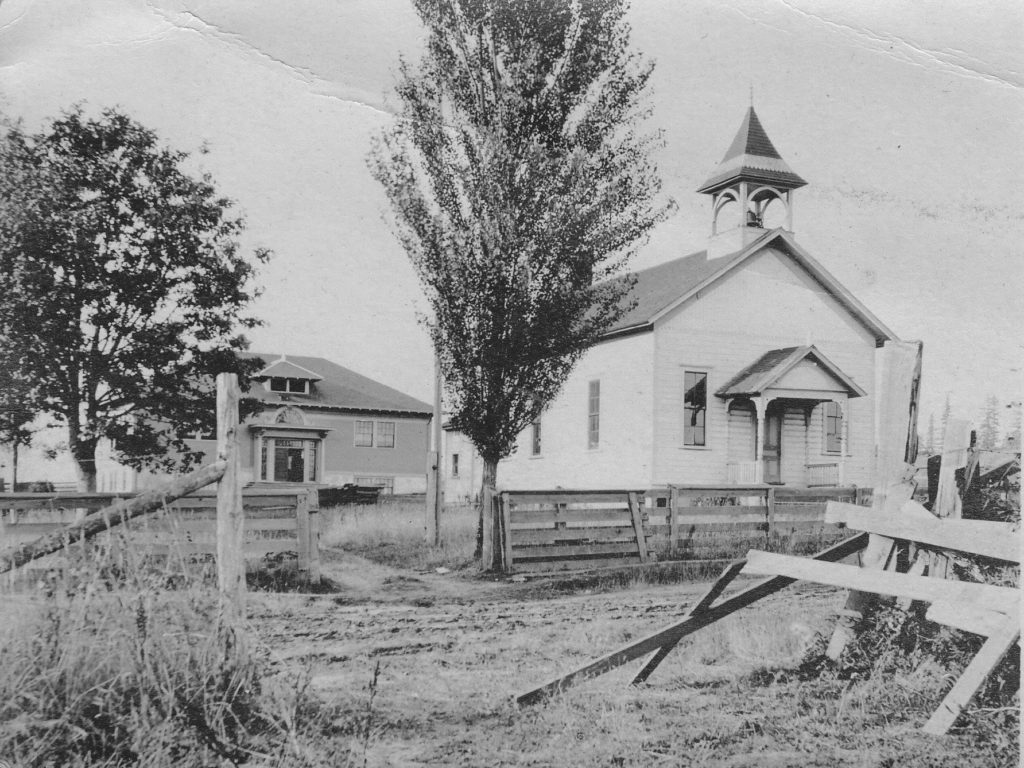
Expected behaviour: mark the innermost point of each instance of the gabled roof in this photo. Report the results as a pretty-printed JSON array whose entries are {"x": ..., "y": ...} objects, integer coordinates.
[
  {"x": 752, "y": 157},
  {"x": 768, "y": 369},
  {"x": 662, "y": 288},
  {"x": 284, "y": 368},
  {"x": 339, "y": 388}
]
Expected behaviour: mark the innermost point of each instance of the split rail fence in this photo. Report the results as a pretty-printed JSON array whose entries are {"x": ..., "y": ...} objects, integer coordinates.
[{"x": 559, "y": 530}]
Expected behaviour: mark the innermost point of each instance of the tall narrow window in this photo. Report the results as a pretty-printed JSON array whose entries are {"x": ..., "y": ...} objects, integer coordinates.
[
  {"x": 535, "y": 437},
  {"x": 594, "y": 414},
  {"x": 455, "y": 465},
  {"x": 695, "y": 406},
  {"x": 364, "y": 434},
  {"x": 833, "y": 428}
]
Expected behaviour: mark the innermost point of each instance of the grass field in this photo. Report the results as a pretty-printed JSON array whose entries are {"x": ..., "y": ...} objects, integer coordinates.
[{"x": 399, "y": 665}]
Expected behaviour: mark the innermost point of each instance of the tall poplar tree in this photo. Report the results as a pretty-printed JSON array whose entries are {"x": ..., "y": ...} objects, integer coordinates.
[{"x": 520, "y": 177}]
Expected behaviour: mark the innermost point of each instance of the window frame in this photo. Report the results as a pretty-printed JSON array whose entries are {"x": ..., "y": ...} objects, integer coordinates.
[
  {"x": 839, "y": 420},
  {"x": 454, "y": 464},
  {"x": 357, "y": 433},
  {"x": 381, "y": 437},
  {"x": 690, "y": 430},
  {"x": 594, "y": 414},
  {"x": 535, "y": 437}
]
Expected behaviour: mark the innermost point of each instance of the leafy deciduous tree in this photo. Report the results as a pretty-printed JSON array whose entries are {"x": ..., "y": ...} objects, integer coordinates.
[
  {"x": 124, "y": 286},
  {"x": 520, "y": 178}
]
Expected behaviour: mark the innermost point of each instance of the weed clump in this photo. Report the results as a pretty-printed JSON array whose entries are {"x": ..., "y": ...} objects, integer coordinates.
[{"x": 115, "y": 663}]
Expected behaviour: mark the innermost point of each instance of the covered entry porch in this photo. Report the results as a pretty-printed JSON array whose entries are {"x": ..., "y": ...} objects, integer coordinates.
[{"x": 787, "y": 419}]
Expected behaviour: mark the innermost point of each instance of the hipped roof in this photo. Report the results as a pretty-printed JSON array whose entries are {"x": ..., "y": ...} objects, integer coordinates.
[
  {"x": 752, "y": 157},
  {"x": 339, "y": 388}
]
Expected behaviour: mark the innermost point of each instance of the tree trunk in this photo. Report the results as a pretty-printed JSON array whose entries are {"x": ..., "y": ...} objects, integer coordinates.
[
  {"x": 14, "y": 467},
  {"x": 84, "y": 454},
  {"x": 490, "y": 478}
]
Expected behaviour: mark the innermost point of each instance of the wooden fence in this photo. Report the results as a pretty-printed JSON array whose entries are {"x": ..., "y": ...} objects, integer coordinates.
[
  {"x": 277, "y": 520},
  {"x": 551, "y": 530}
]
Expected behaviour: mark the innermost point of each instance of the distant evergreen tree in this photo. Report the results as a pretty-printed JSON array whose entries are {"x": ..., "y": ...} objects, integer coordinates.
[
  {"x": 945, "y": 421},
  {"x": 988, "y": 433}
]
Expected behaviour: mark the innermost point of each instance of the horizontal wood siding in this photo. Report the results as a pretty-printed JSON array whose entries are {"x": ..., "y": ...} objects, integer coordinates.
[
  {"x": 769, "y": 304},
  {"x": 623, "y": 457}
]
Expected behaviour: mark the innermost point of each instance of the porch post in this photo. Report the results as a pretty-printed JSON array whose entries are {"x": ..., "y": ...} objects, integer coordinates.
[
  {"x": 841, "y": 403},
  {"x": 760, "y": 407}
]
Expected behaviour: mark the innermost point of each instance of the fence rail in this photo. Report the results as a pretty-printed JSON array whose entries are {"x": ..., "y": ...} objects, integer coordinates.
[
  {"x": 276, "y": 521},
  {"x": 551, "y": 530}
]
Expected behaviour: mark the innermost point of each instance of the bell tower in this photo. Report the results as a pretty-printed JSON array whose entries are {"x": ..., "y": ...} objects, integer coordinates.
[{"x": 751, "y": 176}]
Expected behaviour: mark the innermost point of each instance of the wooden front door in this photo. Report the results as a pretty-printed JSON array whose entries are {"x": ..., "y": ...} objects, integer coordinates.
[{"x": 773, "y": 445}]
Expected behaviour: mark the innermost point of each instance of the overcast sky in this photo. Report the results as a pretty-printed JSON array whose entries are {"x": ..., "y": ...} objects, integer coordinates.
[{"x": 905, "y": 119}]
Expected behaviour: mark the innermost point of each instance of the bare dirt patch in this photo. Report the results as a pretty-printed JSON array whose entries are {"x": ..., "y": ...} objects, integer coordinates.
[{"x": 447, "y": 652}]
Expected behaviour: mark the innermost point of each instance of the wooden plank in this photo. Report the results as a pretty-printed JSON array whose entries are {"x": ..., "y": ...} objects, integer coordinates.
[
  {"x": 675, "y": 632},
  {"x": 979, "y": 537},
  {"x": 882, "y": 582},
  {"x": 314, "y": 542},
  {"x": 569, "y": 497},
  {"x": 638, "y": 527},
  {"x": 302, "y": 537},
  {"x": 526, "y": 537},
  {"x": 771, "y": 511},
  {"x": 722, "y": 510},
  {"x": 578, "y": 566},
  {"x": 621, "y": 515},
  {"x": 955, "y": 442},
  {"x": 973, "y": 677},
  {"x": 577, "y": 550},
  {"x": 730, "y": 573},
  {"x": 230, "y": 513},
  {"x": 673, "y": 516},
  {"x": 968, "y": 618},
  {"x": 249, "y": 550}
]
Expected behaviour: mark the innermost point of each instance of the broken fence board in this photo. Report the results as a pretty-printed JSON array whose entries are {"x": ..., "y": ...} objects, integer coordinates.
[
  {"x": 973, "y": 677},
  {"x": 688, "y": 625},
  {"x": 969, "y": 618},
  {"x": 526, "y": 536},
  {"x": 979, "y": 537},
  {"x": 881, "y": 582}
]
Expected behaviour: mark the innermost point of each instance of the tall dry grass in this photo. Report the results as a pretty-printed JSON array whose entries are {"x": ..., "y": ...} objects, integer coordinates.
[
  {"x": 396, "y": 534},
  {"x": 119, "y": 661}
]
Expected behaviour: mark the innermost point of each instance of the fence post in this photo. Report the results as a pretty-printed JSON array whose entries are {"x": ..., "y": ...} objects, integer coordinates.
[
  {"x": 314, "y": 535},
  {"x": 230, "y": 513},
  {"x": 302, "y": 534},
  {"x": 770, "y": 500},
  {"x": 673, "y": 519}
]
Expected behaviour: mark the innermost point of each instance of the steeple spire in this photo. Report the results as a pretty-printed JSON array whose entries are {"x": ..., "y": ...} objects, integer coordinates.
[{"x": 753, "y": 175}]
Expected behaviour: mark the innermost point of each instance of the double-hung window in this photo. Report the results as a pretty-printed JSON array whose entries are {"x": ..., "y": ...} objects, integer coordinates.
[
  {"x": 695, "y": 408},
  {"x": 833, "y": 418},
  {"x": 594, "y": 414}
]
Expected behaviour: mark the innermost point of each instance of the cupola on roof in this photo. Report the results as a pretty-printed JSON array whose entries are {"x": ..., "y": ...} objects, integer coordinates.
[{"x": 752, "y": 157}]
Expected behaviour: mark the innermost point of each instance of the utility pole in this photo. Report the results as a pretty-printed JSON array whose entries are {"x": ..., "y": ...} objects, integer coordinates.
[{"x": 435, "y": 475}]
